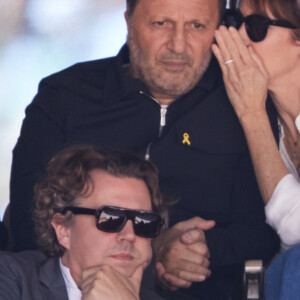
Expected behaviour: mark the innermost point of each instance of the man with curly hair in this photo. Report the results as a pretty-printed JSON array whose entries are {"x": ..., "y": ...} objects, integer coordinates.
[{"x": 96, "y": 214}]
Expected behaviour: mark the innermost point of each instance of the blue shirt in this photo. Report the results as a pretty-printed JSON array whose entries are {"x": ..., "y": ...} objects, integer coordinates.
[{"x": 283, "y": 276}]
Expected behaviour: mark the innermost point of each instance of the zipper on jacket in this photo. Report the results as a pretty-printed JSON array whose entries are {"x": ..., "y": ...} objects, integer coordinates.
[
  {"x": 147, "y": 154},
  {"x": 163, "y": 113}
]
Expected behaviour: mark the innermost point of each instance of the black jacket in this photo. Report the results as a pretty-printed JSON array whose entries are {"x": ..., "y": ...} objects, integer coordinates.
[{"x": 201, "y": 153}]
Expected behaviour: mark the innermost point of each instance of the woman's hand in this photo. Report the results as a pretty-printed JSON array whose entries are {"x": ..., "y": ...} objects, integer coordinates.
[{"x": 245, "y": 77}]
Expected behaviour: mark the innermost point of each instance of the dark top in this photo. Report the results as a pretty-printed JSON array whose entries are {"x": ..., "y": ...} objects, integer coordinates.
[
  {"x": 31, "y": 275},
  {"x": 211, "y": 176}
]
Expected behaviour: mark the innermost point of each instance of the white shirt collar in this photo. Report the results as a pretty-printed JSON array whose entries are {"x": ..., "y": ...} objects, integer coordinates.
[{"x": 73, "y": 291}]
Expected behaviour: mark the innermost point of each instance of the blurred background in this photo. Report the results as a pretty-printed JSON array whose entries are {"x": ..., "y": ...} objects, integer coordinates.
[{"x": 38, "y": 38}]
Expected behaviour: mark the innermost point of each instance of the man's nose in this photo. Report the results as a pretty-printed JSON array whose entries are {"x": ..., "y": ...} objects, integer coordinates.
[
  {"x": 127, "y": 233},
  {"x": 177, "y": 40}
]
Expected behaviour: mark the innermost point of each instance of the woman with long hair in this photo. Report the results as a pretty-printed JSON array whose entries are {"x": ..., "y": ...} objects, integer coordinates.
[{"x": 259, "y": 53}]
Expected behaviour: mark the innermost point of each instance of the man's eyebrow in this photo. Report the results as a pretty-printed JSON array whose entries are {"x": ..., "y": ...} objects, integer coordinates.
[
  {"x": 158, "y": 16},
  {"x": 202, "y": 20}
]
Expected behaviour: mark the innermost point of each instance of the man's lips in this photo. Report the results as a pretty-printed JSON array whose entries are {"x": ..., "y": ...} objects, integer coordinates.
[
  {"x": 174, "y": 65},
  {"x": 123, "y": 256}
]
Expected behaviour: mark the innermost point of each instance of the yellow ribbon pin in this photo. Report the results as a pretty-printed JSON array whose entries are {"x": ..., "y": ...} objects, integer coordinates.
[{"x": 186, "y": 139}]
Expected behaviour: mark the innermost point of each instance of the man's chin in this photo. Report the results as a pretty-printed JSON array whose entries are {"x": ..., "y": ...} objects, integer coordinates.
[
  {"x": 124, "y": 268},
  {"x": 127, "y": 269},
  {"x": 173, "y": 90},
  {"x": 173, "y": 84}
]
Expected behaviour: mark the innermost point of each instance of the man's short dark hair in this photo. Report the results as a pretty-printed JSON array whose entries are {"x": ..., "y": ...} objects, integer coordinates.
[
  {"x": 131, "y": 5},
  {"x": 68, "y": 177}
]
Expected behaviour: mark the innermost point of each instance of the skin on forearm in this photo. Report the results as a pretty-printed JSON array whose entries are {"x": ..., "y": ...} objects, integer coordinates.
[
  {"x": 246, "y": 81},
  {"x": 268, "y": 164}
]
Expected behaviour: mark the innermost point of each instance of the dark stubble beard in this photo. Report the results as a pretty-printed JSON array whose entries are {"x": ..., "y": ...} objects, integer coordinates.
[{"x": 172, "y": 84}]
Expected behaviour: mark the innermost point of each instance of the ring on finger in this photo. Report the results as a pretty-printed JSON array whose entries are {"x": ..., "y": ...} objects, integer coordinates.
[{"x": 229, "y": 61}]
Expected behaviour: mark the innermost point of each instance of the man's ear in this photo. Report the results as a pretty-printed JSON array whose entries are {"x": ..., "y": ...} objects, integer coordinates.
[{"x": 62, "y": 231}]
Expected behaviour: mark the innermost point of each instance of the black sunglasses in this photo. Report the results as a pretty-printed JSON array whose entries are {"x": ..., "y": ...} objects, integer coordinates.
[
  {"x": 256, "y": 25},
  {"x": 112, "y": 219}
]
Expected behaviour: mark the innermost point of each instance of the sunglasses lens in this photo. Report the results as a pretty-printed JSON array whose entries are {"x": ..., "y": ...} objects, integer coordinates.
[
  {"x": 111, "y": 220},
  {"x": 147, "y": 225},
  {"x": 256, "y": 27}
]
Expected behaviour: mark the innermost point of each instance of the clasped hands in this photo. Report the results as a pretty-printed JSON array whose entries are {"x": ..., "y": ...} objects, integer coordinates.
[{"x": 182, "y": 255}]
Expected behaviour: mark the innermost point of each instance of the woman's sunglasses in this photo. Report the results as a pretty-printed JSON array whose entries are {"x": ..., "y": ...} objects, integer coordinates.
[
  {"x": 112, "y": 219},
  {"x": 256, "y": 25}
]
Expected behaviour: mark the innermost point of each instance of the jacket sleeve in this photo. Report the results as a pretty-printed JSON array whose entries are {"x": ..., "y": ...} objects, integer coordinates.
[
  {"x": 246, "y": 235},
  {"x": 9, "y": 287},
  {"x": 41, "y": 137}
]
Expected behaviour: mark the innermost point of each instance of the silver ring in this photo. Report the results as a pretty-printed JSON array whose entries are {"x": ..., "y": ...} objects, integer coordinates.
[{"x": 229, "y": 61}]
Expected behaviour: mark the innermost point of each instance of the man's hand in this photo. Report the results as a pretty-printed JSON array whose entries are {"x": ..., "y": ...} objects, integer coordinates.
[
  {"x": 182, "y": 256},
  {"x": 105, "y": 283}
]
